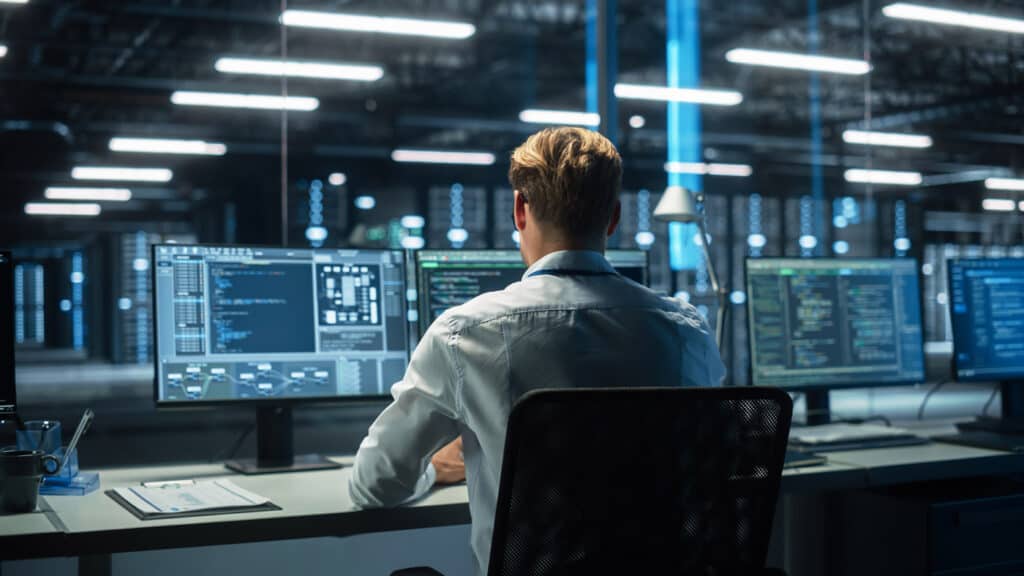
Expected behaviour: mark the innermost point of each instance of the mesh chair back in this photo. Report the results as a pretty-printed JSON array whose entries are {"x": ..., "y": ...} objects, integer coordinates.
[{"x": 640, "y": 481}]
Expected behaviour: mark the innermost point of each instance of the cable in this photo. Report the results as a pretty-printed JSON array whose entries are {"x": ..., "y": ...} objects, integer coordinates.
[
  {"x": 233, "y": 449},
  {"x": 991, "y": 398},
  {"x": 927, "y": 397}
]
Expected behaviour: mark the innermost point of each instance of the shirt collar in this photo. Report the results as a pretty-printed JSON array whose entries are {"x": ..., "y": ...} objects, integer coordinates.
[{"x": 579, "y": 260}]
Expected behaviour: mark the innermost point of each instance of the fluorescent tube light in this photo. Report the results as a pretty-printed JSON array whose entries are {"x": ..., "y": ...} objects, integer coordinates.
[
  {"x": 167, "y": 146},
  {"x": 700, "y": 168},
  {"x": 88, "y": 194},
  {"x": 3, "y": 50},
  {"x": 13, "y": 1},
  {"x": 687, "y": 95},
  {"x": 252, "y": 101},
  {"x": 299, "y": 69},
  {"x": 442, "y": 157},
  {"x": 887, "y": 139},
  {"x": 891, "y": 177},
  {"x": 795, "y": 61},
  {"x": 383, "y": 25},
  {"x": 563, "y": 117},
  {"x": 119, "y": 174},
  {"x": 905, "y": 11},
  {"x": 61, "y": 209},
  {"x": 1014, "y": 184},
  {"x": 999, "y": 205}
]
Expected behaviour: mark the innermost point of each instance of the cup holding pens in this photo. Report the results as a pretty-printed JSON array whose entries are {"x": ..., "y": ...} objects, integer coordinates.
[{"x": 45, "y": 435}]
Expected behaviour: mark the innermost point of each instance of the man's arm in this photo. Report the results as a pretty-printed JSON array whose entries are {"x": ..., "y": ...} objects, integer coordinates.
[{"x": 392, "y": 464}]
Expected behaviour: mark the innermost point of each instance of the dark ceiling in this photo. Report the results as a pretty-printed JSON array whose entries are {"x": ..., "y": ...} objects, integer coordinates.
[{"x": 79, "y": 72}]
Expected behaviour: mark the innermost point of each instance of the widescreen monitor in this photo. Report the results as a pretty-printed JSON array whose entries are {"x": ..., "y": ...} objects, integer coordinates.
[
  {"x": 449, "y": 278},
  {"x": 987, "y": 313},
  {"x": 7, "y": 391},
  {"x": 817, "y": 323},
  {"x": 274, "y": 325}
]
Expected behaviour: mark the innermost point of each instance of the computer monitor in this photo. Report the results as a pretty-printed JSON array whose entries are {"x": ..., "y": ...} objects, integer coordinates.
[
  {"x": 820, "y": 324},
  {"x": 8, "y": 402},
  {"x": 987, "y": 316},
  {"x": 447, "y": 278},
  {"x": 271, "y": 327}
]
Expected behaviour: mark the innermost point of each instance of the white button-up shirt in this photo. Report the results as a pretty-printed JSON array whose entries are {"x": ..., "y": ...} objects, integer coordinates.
[{"x": 571, "y": 322}]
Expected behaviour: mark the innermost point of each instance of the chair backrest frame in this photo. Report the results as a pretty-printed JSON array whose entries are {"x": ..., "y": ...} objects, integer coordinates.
[{"x": 764, "y": 482}]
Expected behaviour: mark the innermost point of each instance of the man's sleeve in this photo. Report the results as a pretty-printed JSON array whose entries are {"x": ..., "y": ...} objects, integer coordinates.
[{"x": 392, "y": 465}]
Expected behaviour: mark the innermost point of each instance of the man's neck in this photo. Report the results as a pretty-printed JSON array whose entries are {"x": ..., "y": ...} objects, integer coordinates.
[{"x": 559, "y": 245}]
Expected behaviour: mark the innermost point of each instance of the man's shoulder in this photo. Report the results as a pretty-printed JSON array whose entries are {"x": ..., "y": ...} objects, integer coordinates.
[{"x": 489, "y": 306}]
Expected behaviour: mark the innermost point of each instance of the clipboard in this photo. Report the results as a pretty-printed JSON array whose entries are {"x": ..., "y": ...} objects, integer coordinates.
[{"x": 210, "y": 498}]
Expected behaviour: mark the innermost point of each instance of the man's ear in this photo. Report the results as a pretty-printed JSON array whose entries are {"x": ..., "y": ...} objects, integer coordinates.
[
  {"x": 616, "y": 216},
  {"x": 519, "y": 211}
]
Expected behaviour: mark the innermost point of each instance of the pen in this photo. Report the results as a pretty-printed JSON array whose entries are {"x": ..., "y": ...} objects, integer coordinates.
[
  {"x": 168, "y": 483},
  {"x": 83, "y": 425}
]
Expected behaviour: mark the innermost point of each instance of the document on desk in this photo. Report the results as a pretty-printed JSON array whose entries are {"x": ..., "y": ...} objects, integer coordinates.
[{"x": 178, "y": 499}]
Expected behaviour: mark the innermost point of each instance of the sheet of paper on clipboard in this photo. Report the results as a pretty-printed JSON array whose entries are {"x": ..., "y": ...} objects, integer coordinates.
[{"x": 189, "y": 498}]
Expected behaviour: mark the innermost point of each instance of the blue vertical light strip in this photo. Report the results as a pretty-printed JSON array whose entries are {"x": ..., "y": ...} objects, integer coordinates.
[
  {"x": 77, "y": 301},
  {"x": 592, "y": 80},
  {"x": 39, "y": 295},
  {"x": 19, "y": 304},
  {"x": 682, "y": 57},
  {"x": 141, "y": 267},
  {"x": 817, "y": 145}
]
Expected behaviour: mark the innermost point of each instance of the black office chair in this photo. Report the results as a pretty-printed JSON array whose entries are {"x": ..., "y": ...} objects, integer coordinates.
[{"x": 640, "y": 481}]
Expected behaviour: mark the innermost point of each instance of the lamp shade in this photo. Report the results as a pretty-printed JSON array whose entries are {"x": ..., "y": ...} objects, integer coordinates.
[{"x": 677, "y": 205}]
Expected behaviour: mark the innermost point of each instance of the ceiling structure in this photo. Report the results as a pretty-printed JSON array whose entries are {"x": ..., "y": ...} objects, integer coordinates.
[{"x": 80, "y": 72}]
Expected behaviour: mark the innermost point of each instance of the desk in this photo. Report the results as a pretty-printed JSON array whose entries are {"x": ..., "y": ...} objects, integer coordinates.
[{"x": 316, "y": 504}]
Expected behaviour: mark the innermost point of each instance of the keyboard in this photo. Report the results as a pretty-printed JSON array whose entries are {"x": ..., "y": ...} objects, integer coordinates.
[
  {"x": 832, "y": 437},
  {"x": 796, "y": 459}
]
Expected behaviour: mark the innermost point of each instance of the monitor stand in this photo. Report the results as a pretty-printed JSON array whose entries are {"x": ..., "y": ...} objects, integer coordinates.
[
  {"x": 818, "y": 407},
  {"x": 275, "y": 449},
  {"x": 1005, "y": 433}
]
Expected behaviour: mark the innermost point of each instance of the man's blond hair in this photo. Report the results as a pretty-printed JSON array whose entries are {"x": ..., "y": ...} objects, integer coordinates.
[{"x": 571, "y": 178}]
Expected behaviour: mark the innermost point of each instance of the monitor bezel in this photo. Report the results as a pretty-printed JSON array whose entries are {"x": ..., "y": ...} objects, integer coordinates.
[
  {"x": 841, "y": 385},
  {"x": 952, "y": 321},
  {"x": 256, "y": 402},
  {"x": 9, "y": 406},
  {"x": 422, "y": 308}
]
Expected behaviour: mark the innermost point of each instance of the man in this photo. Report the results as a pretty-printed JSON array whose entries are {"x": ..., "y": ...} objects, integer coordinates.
[{"x": 571, "y": 322}]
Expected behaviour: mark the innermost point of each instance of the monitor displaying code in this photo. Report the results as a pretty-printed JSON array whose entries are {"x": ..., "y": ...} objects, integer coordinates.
[
  {"x": 241, "y": 323},
  {"x": 987, "y": 313},
  {"x": 452, "y": 277},
  {"x": 834, "y": 323}
]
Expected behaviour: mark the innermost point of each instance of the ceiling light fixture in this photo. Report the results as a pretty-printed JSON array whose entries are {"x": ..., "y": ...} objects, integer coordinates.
[
  {"x": 250, "y": 101},
  {"x": 88, "y": 194},
  {"x": 796, "y": 61},
  {"x": 167, "y": 146},
  {"x": 562, "y": 117},
  {"x": 442, "y": 157},
  {"x": 905, "y": 11},
  {"x": 383, "y": 25},
  {"x": 887, "y": 139},
  {"x": 121, "y": 174},
  {"x": 13, "y": 1},
  {"x": 3, "y": 50},
  {"x": 685, "y": 95},
  {"x": 891, "y": 177},
  {"x": 299, "y": 69},
  {"x": 998, "y": 205},
  {"x": 703, "y": 169},
  {"x": 61, "y": 209},
  {"x": 1012, "y": 184}
]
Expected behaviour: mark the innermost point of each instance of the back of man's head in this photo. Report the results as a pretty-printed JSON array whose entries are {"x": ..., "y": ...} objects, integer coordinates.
[{"x": 571, "y": 179}]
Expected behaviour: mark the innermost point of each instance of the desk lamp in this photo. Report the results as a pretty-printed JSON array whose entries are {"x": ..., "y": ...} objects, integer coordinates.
[{"x": 680, "y": 205}]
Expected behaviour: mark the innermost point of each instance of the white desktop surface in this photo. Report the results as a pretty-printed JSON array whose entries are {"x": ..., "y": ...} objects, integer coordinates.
[
  {"x": 33, "y": 523},
  {"x": 299, "y": 494}
]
